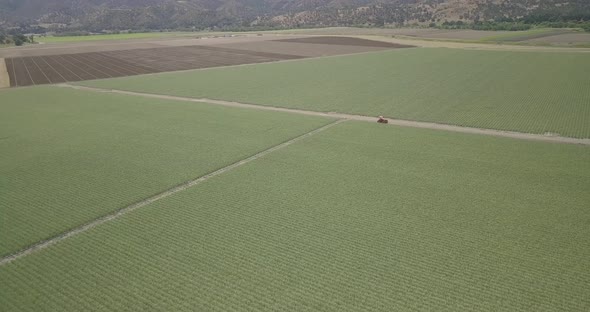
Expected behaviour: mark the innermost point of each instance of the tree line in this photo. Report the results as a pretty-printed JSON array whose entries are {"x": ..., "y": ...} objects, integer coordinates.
[
  {"x": 510, "y": 26},
  {"x": 16, "y": 39}
]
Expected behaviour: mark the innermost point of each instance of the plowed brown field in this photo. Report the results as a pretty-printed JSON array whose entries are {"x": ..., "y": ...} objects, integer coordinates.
[
  {"x": 29, "y": 70},
  {"x": 25, "y": 71}
]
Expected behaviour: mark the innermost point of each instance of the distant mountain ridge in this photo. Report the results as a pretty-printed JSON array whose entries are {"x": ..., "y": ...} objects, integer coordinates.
[{"x": 98, "y": 15}]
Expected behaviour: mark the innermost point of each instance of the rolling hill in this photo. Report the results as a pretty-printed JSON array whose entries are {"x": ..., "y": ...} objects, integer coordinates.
[{"x": 98, "y": 15}]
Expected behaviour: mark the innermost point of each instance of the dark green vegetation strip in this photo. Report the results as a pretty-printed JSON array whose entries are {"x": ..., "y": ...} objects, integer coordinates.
[
  {"x": 67, "y": 156},
  {"x": 358, "y": 218},
  {"x": 519, "y": 91}
]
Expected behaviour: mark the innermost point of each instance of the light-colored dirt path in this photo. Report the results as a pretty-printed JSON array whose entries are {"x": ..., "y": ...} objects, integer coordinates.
[
  {"x": 396, "y": 122},
  {"x": 96, "y": 222},
  {"x": 4, "y": 78}
]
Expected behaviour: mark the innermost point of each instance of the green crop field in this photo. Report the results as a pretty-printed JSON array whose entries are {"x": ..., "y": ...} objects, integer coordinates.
[
  {"x": 360, "y": 217},
  {"x": 350, "y": 216},
  {"x": 544, "y": 93},
  {"x": 67, "y": 156}
]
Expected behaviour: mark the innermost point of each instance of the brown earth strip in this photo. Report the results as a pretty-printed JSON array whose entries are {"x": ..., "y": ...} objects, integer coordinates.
[
  {"x": 346, "y": 41},
  {"x": 395, "y": 122},
  {"x": 302, "y": 49},
  {"x": 131, "y": 44},
  {"x": 70, "y": 48},
  {"x": 4, "y": 77}
]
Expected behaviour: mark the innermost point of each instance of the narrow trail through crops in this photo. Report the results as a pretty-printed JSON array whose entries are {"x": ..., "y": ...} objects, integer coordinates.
[
  {"x": 396, "y": 122},
  {"x": 96, "y": 222},
  {"x": 4, "y": 78}
]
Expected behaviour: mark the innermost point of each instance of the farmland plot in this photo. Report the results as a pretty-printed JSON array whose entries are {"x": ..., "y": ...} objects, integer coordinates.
[
  {"x": 360, "y": 217},
  {"x": 67, "y": 156},
  {"x": 36, "y": 70},
  {"x": 543, "y": 93}
]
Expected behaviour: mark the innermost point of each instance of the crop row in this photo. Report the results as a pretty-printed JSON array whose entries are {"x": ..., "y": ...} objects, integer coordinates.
[{"x": 357, "y": 218}]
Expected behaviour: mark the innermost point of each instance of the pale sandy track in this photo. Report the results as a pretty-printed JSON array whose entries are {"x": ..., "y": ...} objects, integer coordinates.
[
  {"x": 96, "y": 222},
  {"x": 396, "y": 122},
  {"x": 4, "y": 78}
]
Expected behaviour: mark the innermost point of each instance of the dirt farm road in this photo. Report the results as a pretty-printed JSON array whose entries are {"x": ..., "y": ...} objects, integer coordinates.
[
  {"x": 4, "y": 78},
  {"x": 395, "y": 122}
]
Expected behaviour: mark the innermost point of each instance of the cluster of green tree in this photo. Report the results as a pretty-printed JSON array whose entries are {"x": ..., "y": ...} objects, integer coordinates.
[
  {"x": 564, "y": 17},
  {"x": 16, "y": 39},
  {"x": 511, "y": 26},
  {"x": 584, "y": 25},
  {"x": 557, "y": 16},
  {"x": 71, "y": 33}
]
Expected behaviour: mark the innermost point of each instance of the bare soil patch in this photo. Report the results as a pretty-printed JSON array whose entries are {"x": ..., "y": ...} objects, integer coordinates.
[
  {"x": 120, "y": 45},
  {"x": 70, "y": 48},
  {"x": 36, "y": 70},
  {"x": 301, "y": 49},
  {"x": 350, "y": 41}
]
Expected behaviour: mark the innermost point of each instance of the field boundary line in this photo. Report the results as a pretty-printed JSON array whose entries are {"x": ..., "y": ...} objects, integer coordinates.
[
  {"x": 4, "y": 78},
  {"x": 176, "y": 189},
  {"x": 392, "y": 121}
]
